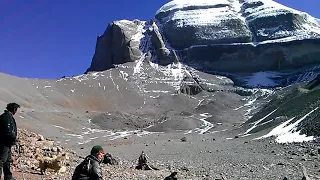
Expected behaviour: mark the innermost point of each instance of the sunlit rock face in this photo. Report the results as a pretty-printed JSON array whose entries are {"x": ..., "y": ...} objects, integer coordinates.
[
  {"x": 240, "y": 36},
  {"x": 206, "y": 22}
]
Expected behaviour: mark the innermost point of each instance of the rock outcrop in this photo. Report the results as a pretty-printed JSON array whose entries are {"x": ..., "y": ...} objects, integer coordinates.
[
  {"x": 162, "y": 52},
  {"x": 32, "y": 145},
  {"x": 118, "y": 44}
]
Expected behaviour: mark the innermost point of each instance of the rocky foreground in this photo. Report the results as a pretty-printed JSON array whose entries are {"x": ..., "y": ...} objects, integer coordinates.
[
  {"x": 26, "y": 165},
  {"x": 235, "y": 158}
]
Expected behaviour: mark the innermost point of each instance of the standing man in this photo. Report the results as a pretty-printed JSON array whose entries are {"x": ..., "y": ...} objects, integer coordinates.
[
  {"x": 90, "y": 169},
  {"x": 8, "y": 137}
]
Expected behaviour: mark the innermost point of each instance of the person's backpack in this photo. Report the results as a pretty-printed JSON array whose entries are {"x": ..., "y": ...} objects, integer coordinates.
[{"x": 82, "y": 171}]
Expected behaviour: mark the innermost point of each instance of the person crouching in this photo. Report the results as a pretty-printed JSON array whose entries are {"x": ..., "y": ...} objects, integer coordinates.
[{"x": 89, "y": 168}]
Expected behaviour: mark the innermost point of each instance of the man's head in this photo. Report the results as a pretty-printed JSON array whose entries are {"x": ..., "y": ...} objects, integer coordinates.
[
  {"x": 13, "y": 107},
  {"x": 98, "y": 152}
]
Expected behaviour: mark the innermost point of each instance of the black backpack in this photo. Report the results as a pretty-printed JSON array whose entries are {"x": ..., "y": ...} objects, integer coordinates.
[{"x": 82, "y": 171}]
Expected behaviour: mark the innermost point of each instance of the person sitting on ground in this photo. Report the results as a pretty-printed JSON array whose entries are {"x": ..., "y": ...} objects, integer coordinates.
[
  {"x": 90, "y": 169},
  {"x": 8, "y": 134}
]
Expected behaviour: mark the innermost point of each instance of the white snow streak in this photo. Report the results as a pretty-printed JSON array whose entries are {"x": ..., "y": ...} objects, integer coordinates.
[
  {"x": 286, "y": 133},
  {"x": 60, "y": 127},
  {"x": 206, "y": 125},
  {"x": 255, "y": 124}
]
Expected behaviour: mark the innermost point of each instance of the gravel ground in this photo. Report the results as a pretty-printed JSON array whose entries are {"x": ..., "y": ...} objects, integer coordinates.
[{"x": 208, "y": 156}]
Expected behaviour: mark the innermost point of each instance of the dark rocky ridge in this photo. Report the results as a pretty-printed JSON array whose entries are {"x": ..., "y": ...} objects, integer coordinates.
[
  {"x": 293, "y": 102},
  {"x": 247, "y": 58},
  {"x": 116, "y": 46}
]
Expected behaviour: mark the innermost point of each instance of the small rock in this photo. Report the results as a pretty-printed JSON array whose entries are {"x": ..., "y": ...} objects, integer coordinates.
[
  {"x": 126, "y": 137},
  {"x": 41, "y": 138},
  {"x": 184, "y": 139},
  {"x": 312, "y": 154},
  {"x": 236, "y": 137},
  {"x": 59, "y": 149},
  {"x": 184, "y": 169},
  {"x": 28, "y": 163},
  {"x": 294, "y": 154},
  {"x": 54, "y": 149},
  {"x": 172, "y": 176},
  {"x": 273, "y": 152},
  {"x": 213, "y": 139},
  {"x": 30, "y": 155},
  {"x": 45, "y": 148},
  {"x": 280, "y": 164},
  {"x": 285, "y": 178}
]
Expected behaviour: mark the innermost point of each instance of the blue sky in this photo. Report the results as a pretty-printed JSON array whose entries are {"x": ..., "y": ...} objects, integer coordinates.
[{"x": 53, "y": 38}]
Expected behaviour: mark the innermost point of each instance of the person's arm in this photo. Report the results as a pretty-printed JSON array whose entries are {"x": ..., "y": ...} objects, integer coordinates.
[
  {"x": 7, "y": 128},
  {"x": 96, "y": 173}
]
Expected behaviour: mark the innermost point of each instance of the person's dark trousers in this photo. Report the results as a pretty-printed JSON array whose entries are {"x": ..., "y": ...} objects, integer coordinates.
[{"x": 5, "y": 162}]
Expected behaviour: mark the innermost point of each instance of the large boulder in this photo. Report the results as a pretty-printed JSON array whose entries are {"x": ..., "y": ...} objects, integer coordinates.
[{"x": 118, "y": 44}]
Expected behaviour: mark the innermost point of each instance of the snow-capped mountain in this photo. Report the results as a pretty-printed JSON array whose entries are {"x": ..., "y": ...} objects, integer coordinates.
[
  {"x": 256, "y": 43},
  {"x": 198, "y": 67},
  {"x": 234, "y": 21},
  {"x": 228, "y": 36}
]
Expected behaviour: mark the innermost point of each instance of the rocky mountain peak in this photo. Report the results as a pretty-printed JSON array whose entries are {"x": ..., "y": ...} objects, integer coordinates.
[
  {"x": 198, "y": 75},
  {"x": 229, "y": 36}
]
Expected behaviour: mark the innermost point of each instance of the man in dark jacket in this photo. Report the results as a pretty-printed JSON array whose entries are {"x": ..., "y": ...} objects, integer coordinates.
[
  {"x": 8, "y": 137},
  {"x": 90, "y": 169}
]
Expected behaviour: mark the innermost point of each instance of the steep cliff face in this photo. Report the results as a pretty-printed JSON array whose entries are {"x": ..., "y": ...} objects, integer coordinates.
[
  {"x": 240, "y": 36},
  {"x": 268, "y": 20},
  {"x": 233, "y": 36},
  {"x": 118, "y": 44},
  {"x": 189, "y": 23}
]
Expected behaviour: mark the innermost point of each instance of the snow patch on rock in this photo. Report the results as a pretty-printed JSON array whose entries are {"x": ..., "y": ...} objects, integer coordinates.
[
  {"x": 287, "y": 133},
  {"x": 262, "y": 79}
]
